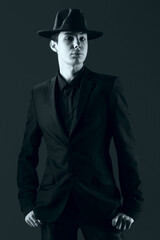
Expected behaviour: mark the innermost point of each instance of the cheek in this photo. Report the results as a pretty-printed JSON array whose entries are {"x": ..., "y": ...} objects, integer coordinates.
[
  {"x": 64, "y": 52},
  {"x": 86, "y": 49}
]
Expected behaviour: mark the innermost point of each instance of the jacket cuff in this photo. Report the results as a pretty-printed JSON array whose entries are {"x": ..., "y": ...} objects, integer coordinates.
[
  {"x": 131, "y": 213},
  {"x": 133, "y": 207}
]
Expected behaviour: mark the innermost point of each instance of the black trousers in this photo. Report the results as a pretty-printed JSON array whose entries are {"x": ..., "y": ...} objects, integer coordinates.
[{"x": 67, "y": 225}]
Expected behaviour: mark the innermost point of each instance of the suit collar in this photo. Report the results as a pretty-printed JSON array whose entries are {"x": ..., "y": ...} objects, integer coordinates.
[
  {"x": 87, "y": 83},
  {"x": 74, "y": 83}
]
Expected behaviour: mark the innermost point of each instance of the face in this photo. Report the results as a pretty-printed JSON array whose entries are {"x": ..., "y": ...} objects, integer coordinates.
[{"x": 72, "y": 48}]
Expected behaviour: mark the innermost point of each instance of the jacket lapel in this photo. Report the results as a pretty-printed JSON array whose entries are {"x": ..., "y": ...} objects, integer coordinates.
[{"x": 53, "y": 107}]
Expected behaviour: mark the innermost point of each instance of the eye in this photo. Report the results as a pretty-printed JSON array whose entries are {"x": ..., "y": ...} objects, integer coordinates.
[
  {"x": 69, "y": 38},
  {"x": 82, "y": 39}
]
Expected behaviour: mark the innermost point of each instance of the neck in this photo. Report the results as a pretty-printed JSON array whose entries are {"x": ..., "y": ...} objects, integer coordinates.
[{"x": 69, "y": 71}]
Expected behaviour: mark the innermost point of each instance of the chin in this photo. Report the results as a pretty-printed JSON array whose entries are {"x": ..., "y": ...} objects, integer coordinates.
[{"x": 77, "y": 62}]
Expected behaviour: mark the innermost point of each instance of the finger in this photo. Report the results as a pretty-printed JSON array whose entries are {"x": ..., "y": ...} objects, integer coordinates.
[
  {"x": 36, "y": 223},
  {"x": 119, "y": 222},
  {"x": 40, "y": 222},
  {"x": 128, "y": 224},
  {"x": 33, "y": 217},
  {"x": 124, "y": 225},
  {"x": 114, "y": 220},
  {"x": 28, "y": 223},
  {"x": 33, "y": 222}
]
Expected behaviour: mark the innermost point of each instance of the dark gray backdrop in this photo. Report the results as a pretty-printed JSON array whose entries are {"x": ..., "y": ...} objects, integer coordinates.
[{"x": 130, "y": 49}]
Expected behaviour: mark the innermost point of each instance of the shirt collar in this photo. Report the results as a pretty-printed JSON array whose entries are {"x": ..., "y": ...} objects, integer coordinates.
[{"x": 74, "y": 83}]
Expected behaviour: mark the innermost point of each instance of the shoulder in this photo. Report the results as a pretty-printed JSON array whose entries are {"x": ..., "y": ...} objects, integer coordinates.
[
  {"x": 40, "y": 91},
  {"x": 43, "y": 86},
  {"x": 106, "y": 80},
  {"x": 102, "y": 76}
]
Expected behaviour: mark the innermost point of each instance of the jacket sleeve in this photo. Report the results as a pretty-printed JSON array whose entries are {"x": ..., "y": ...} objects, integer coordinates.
[
  {"x": 27, "y": 177},
  {"x": 124, "y": 139}
]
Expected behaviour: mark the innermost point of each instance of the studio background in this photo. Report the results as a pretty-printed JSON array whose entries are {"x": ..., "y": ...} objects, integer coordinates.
[{"x": 130, "y": 49}]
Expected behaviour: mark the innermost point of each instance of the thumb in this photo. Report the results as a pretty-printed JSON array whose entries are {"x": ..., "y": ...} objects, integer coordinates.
[{"x": 114, "y": 220}]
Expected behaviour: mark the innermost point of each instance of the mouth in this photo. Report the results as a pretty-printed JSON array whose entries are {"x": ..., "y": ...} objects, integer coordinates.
[{"x": 76, "y": 53}]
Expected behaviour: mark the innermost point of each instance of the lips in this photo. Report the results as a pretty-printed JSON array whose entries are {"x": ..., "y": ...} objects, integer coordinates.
[{"x": 76, "y": 53}]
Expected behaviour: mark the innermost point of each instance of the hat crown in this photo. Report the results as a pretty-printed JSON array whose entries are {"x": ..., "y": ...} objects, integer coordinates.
[{"x": 68, "y": 19}]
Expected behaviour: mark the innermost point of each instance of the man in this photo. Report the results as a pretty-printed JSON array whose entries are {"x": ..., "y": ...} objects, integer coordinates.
[{"x": 77, "y": 113}]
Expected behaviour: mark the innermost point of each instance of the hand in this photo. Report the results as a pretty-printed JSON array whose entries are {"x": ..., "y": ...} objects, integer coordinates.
[
  {"x": 122, "y": 221},
  {"x": 31, "y": 220}
]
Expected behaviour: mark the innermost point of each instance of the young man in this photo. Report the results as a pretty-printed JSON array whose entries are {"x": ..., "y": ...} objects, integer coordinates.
[{"x": 77, "y": 113}]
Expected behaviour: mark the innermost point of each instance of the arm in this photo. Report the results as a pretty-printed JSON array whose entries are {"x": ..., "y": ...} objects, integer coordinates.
[
  {"x": 27, "y": 177},
  {"x": 124, "y": 140}
]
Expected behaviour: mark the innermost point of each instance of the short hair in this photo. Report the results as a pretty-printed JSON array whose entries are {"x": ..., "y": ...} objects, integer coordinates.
[{"x": 55, "y": 37}]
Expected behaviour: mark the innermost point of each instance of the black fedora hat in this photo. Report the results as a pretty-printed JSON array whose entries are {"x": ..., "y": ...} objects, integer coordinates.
[{"x": 69, "y": 20}]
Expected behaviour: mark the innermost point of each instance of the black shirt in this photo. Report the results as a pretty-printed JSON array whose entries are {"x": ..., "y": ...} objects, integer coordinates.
[{"x": 67, "y": 98}]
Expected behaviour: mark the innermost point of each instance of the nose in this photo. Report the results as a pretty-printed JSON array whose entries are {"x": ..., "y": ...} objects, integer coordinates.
[{"x": 76, "y": 43}]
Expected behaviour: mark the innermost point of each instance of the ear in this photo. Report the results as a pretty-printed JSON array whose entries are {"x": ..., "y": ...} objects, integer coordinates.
[{"x": 53, "y": 45}]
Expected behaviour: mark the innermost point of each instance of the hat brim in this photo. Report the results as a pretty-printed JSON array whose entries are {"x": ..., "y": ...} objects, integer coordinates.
[{"x": 49, "y": 33}]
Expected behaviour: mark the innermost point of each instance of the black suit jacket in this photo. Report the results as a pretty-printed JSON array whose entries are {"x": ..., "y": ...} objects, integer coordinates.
[{"x": 80, "y": 163}]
